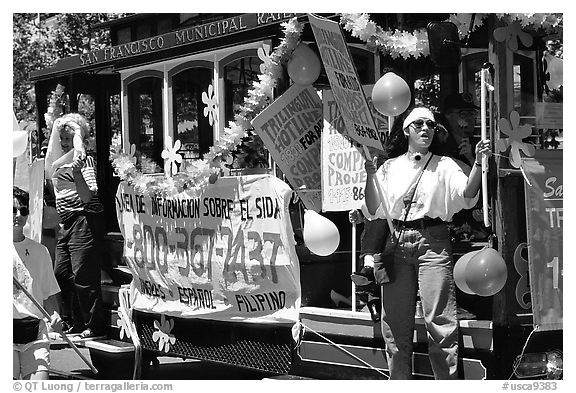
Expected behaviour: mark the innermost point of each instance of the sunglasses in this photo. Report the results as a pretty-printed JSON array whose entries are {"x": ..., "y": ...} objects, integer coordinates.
[
  {"x": 420, "y": 123},
  {"x": 22, "y": 209}
]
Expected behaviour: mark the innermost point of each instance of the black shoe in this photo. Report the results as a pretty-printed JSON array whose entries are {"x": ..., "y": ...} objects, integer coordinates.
[
  {"x": 89, "y": 333},
  {"x": 65, "y": 326},
  {"x": 75, "y": 329},
  {"x": 364, "y": 277},
  {"x": 375, "y": 308}
]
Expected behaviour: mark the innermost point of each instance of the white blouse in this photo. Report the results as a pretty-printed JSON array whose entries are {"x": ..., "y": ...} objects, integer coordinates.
[{"x": 440, "y": 192}]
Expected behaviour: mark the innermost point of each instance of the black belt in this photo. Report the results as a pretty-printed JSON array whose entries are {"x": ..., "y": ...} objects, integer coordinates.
[{"x": 421, "y": 223}]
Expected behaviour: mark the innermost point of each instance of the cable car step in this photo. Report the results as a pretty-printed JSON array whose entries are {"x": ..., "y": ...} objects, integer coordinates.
[{"x": 109, "y": 345}]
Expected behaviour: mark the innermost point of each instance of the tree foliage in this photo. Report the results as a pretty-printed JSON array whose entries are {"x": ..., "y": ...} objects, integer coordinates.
[
  {"x": 32, "y": 50},
  {"x": 39, "y": 40}
]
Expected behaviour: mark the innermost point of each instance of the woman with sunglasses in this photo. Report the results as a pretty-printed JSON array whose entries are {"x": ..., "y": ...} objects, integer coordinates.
[
  {"x": 32, "y": 267},
  {"x": 422, "y": 190}
]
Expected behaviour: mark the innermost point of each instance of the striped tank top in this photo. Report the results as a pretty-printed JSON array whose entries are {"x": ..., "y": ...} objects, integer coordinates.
[{"x": 68, "y": 202}]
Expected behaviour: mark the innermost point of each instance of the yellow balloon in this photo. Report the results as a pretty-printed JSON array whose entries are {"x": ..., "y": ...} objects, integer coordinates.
[{"x": 320, "y": 234}]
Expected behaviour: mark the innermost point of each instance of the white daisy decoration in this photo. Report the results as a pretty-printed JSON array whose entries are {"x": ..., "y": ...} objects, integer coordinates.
[
  {"x": 162, "y": 334},
  {"x": 264, "y": 55},
  {"x": 512, "y": 33},
  {"x": 132, "y": 154},
  {"x": 515, "y": 141},
  {"x": 211, "y": 103},
  {"x": 171, "y": 156},
  {"x": 123, "y": 325}
]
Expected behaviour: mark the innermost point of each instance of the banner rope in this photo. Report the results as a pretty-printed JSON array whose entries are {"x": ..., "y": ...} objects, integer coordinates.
[
  {"x": 346, "y": 351},
  {"x": 522, "y": 353}
]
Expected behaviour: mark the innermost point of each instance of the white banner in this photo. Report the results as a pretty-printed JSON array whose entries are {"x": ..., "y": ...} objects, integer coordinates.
[
  {"x": 344, "y": 82},
  {"x": 226, "y": 255},
  {"x": 290, "y": 128},
  {"x": 343, "y": 173}
]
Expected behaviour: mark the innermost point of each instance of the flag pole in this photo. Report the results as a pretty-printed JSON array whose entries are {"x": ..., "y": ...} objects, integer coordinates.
[
  {"x": 45, "y": 313},
  {"x": 484, "y": 137},
  {"x": 353, "y": 264}
]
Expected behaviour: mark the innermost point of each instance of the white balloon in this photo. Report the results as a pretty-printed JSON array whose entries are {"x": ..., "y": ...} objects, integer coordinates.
[
  {"x": 304, "y": 67},
  {"x": 320, "y": 234},
  {"x": 460, "y": 272},
  {"x": 20, "y": 141}
]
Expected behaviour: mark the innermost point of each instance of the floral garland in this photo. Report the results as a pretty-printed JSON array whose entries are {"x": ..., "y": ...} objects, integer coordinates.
[
  {"x": 197, "y": 175},
  {"x": 398, "y": 43},
  {"x": 549, "y": 22}
]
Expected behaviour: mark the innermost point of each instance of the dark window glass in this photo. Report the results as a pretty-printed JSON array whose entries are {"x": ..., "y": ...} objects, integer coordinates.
[
  {"x": 238, "y": 78},
  {"x": 145, "y": 119},
  {"x": 191, "y": 127}
]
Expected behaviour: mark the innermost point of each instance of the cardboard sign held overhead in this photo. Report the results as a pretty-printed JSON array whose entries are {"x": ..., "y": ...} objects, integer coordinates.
[
  {"x": 344, "y": 81},
  {"x": 290, "y": 128},
  {"x": 343, "y": 173}
]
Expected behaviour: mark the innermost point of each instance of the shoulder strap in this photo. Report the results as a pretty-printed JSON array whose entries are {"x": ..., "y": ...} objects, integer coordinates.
[{"x": 412, "y": 190}]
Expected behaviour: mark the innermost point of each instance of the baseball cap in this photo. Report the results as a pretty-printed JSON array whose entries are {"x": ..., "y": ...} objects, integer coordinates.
[{"x": 459, "y": 101}]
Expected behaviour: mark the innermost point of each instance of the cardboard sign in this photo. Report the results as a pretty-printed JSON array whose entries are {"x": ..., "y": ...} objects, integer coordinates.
[
  {"x": 228, "y": 254},
  {"x": 343, "y": 173},
  {"x": 33, "y": 228},
  {"x": 549, "y": 115},
  {"x": 344, "y": 82},
  {"x": 290, "y": 128},
  {"x": 545, "y": 212}
]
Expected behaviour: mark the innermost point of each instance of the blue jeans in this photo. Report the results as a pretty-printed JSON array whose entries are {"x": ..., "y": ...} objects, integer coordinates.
[
  {"x": 422, "y": 259},
  {"x": 77, "y": 270}
]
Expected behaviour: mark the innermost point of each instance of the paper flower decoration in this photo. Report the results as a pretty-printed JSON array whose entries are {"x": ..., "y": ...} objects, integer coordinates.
[
  {"x": 123, "y": 325},
  {"x": 516, "y": 133},
  {"x": 462, "y": 22},
  {"x": 171, "y": 156},
  {"x": 396, "y": 43},
  {"x": 264, "y": 55},
  {"x": 211, "y": 102},
  {"x": 132, "y": 154},
  {"x": 513, "y": 32},
  {"x": 162, "y": 333},
  {"x": 549, "y": 22}
]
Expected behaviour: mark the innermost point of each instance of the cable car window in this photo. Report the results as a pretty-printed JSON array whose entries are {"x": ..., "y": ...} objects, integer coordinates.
[
  {"x": 145, "y": 121},
  {"x": 238, "y": 77},
  {"x": 191, "y": 127}
]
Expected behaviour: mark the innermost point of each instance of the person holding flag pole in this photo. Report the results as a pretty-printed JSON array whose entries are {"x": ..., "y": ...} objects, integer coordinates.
[
  {"x": 34, "y": 292},
  {"x": 419, "y": 190}
]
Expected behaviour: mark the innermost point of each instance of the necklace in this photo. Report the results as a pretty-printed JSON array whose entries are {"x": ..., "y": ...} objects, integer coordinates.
[{"x": 415, "y": 155}]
